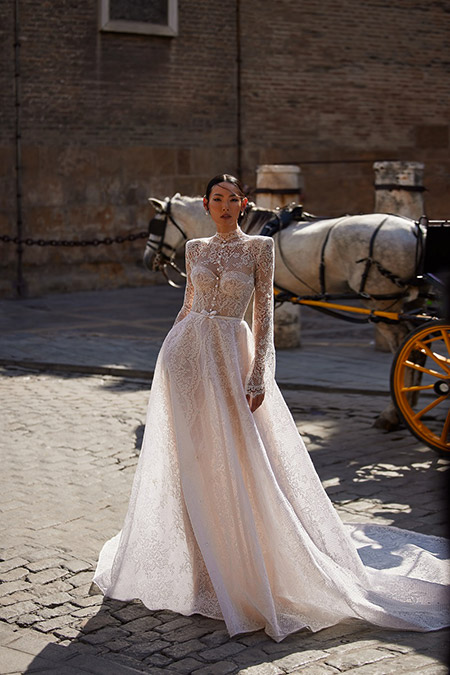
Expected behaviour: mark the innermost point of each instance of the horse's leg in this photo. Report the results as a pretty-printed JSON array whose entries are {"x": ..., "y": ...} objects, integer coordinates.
[
  {"x": 388, "y": 419},
  {"x": 414, "y": 377},
  {"x": 395, "y": 334}
]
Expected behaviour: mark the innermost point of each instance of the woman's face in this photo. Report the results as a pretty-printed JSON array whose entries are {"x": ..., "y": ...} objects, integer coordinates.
[{"x": 225, "y": 205}]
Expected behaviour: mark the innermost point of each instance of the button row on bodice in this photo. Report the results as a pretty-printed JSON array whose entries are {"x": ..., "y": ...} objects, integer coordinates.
[
  {"x": 222, "y": 246},
  {"x": 214, "y": 297},
  {"x": 212, "y": 311}
]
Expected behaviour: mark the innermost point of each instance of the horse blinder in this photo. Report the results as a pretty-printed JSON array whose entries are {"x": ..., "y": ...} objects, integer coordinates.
[{"x": 157, "y": 225}]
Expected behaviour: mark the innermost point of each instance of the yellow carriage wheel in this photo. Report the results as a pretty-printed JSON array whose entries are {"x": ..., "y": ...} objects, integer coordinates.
[{"x": 420, "y": 384}]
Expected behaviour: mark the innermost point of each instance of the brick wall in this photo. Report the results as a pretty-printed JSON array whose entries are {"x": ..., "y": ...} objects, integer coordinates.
[
  {"x": 343, "y": 85},
  {"x": 108, "y": 119},
  {"x": 7, "y": 152}
]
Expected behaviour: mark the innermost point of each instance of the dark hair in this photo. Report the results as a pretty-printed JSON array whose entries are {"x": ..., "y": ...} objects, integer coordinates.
[{"x": 224, "y": 178}]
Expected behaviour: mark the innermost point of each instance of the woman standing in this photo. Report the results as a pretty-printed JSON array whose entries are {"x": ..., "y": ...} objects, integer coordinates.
[{"x": 227, "y": 516}]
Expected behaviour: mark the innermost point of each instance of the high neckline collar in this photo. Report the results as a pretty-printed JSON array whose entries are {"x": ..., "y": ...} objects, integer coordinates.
[{"x": 228, "y": 236}]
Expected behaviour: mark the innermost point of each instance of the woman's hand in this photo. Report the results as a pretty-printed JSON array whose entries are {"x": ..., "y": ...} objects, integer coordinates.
[{"x": 254, "y": 401}]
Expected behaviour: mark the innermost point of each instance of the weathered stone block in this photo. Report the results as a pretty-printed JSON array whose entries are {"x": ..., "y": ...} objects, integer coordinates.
[
  {"x": 185, "y": 634},
  {"x": 54, "y": 599},
  {"x": 142, "y": 625},
  {"x": 292, "y": 661},
  {"x": 44, "y": 564},
  {"x": 14, "y": 574},
  {"x": 158, "y": 660},
  {"x": 46, "y": 576},
  {"x": 179, "y": 622},
  {"x": 10, "y": 612},
  {"x": 189, "y": 665},
  {"x": 142, "y": 649},
  {"x": 178, "y": 651},
  {"x": 217, "y": 638},
  {"x": 222, "y": 652},
  {"x": 27, "y": 620},
  {"x": 97, "y": 622},
  {"x": 262, "y": 669},
  {"x": 357, "y": 657},
  {"x": 131, "y": 612},
  {"x": 103, "y": 635},
  {"x": 12, "y": 564},
  {"x": 13, "y": 586},
  {"x": 218, "y": 668},
  {"x": 50, "y": 625}
]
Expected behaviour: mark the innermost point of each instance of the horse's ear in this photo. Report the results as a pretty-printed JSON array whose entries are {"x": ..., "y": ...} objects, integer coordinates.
[
  {"x": 157, "y": 204},
  {"x": 176, "y": 195}
]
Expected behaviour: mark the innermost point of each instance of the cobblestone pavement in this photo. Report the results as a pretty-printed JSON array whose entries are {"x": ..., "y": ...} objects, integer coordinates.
[{"x": 70, "y": 446}]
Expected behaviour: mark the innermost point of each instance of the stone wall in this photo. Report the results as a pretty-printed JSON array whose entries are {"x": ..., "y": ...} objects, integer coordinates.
[
  {"x": 108, "y": 119},
  {"x": 343, "y": 85}
]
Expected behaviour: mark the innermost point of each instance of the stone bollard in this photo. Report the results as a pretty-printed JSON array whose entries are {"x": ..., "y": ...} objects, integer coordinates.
[
  {"x": 276, "y": 186},
  {"x": 399, "y": 190}
]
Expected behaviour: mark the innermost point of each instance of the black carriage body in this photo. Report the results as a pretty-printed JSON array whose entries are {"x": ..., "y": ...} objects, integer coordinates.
[{"x": 437, "y": 249}]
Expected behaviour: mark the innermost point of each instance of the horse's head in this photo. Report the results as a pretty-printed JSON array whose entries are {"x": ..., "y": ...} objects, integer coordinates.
[{"x": 176, "y": 220}]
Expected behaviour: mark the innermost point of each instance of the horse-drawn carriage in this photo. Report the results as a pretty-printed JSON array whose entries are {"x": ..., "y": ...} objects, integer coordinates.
[
  {"x": 396, "y": 267},
  {"x": 420, "y": 371},
  {"x": 426, "y": 350}
]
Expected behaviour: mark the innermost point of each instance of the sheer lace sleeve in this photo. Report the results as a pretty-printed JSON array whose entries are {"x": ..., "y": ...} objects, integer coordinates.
[
  {"x": 263, "y": 367},
  {"x": 189, "y": 291}
]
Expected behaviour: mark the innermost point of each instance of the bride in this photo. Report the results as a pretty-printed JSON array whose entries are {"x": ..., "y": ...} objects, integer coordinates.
[{"x": 227, "y": 516}]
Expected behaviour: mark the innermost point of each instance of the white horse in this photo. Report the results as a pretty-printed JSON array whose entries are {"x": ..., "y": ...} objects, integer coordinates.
[{"x": 331, "y": 256}]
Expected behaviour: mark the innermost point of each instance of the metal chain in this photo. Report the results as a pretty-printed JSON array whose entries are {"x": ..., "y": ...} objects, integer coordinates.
[{"x": 63, "y": 242}]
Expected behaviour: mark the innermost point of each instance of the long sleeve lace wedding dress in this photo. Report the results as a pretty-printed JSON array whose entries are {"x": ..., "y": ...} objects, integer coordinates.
[{"x": 227, "y": 516}]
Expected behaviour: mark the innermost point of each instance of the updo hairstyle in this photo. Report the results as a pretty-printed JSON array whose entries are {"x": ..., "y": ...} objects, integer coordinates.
[{"x": 224, "y": 178}]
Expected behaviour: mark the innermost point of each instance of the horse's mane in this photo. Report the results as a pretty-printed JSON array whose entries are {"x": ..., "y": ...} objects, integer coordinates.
[{"x": 255, "y": 219}]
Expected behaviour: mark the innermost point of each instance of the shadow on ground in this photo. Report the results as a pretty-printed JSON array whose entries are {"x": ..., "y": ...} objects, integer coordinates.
[
  {"x": 371, "y": 475},
  {"x": 126, "y": 637}
]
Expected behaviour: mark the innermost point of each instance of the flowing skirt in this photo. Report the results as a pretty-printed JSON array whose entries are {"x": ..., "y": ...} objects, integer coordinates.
[{"x": 228, "y": 518}]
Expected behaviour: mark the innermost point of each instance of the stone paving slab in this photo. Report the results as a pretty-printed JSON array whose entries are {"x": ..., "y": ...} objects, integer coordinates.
[
  {"x": 105, "y": 331},
  {"x": 70, "y": 447}
]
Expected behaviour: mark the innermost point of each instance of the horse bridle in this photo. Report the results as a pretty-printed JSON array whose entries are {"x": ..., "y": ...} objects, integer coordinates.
[{"x": 164, "y": 252}]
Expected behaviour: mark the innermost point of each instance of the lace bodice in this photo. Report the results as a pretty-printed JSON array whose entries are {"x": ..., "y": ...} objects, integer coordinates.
[{"x": 222, "y": 273}]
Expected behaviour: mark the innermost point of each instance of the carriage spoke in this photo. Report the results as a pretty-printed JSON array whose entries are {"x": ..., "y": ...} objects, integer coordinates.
[
  {"x": 436, "y": 357},
  {"x": 446, "y": 428},
  {"x": 446, "y": 337},
  {"x": 442, "y": 359},
  {"x": 423, "y": 404},
  {"x": 418, "y": 387},
  {"x": 427, "y": 371},
  {"x": 429, "y": 407}
]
